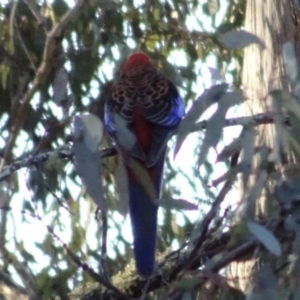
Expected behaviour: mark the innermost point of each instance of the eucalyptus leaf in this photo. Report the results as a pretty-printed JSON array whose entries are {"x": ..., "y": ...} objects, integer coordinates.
[
  {"x": 60, "y": 85},
  {"x": 266, "y": 237},
  {"x": 88, "y": 132},
  {"x": 237, "y": 39}
]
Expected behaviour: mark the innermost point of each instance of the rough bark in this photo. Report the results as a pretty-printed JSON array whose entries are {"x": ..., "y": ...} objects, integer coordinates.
[{"x": 275, "y": 23}]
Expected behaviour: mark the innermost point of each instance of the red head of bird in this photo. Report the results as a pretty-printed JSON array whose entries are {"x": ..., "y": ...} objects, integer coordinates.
[{"x": 136, "y": 62}]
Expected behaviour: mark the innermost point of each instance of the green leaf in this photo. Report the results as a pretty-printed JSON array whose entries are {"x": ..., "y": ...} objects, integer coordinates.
[{"x": 4, "y": 71}]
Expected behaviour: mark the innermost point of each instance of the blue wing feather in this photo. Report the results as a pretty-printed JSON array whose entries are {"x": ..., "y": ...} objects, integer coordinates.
[{"x": 177, "y": 111}]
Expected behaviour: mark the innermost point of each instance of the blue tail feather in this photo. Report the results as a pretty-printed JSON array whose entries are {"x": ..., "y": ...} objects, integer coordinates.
[{"x": 143, "y": 214}]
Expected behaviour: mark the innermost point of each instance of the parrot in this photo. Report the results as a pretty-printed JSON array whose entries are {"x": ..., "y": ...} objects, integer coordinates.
[{"x": 142, "y": 112}]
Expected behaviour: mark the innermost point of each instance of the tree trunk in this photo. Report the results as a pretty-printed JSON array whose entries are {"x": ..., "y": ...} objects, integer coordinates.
[{"x": 275, "y": 23}]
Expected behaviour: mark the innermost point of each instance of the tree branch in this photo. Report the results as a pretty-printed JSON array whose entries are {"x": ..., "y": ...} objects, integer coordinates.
[
  {"x": 34, "y": 10},
  {"x": 7, "y": 171},
  {"x": 51, "y": 50},
  {"x": 254, "y": 120},
  {"x": 10, "y": 290}
]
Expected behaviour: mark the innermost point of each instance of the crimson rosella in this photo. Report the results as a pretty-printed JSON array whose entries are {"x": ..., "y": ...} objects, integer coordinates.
[{"x": 149, "y": 106}]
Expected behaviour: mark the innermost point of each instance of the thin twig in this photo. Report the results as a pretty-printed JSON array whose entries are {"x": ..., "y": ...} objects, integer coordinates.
[
  {"x": 48, "y": 188},
  {"x": 33, "y": 7},
  {"x": 225, "y": 259},
  {"x": 104, "y": 246},
  {"x": 202, "y": 227},
  {"x": 25, "y": 49}
]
